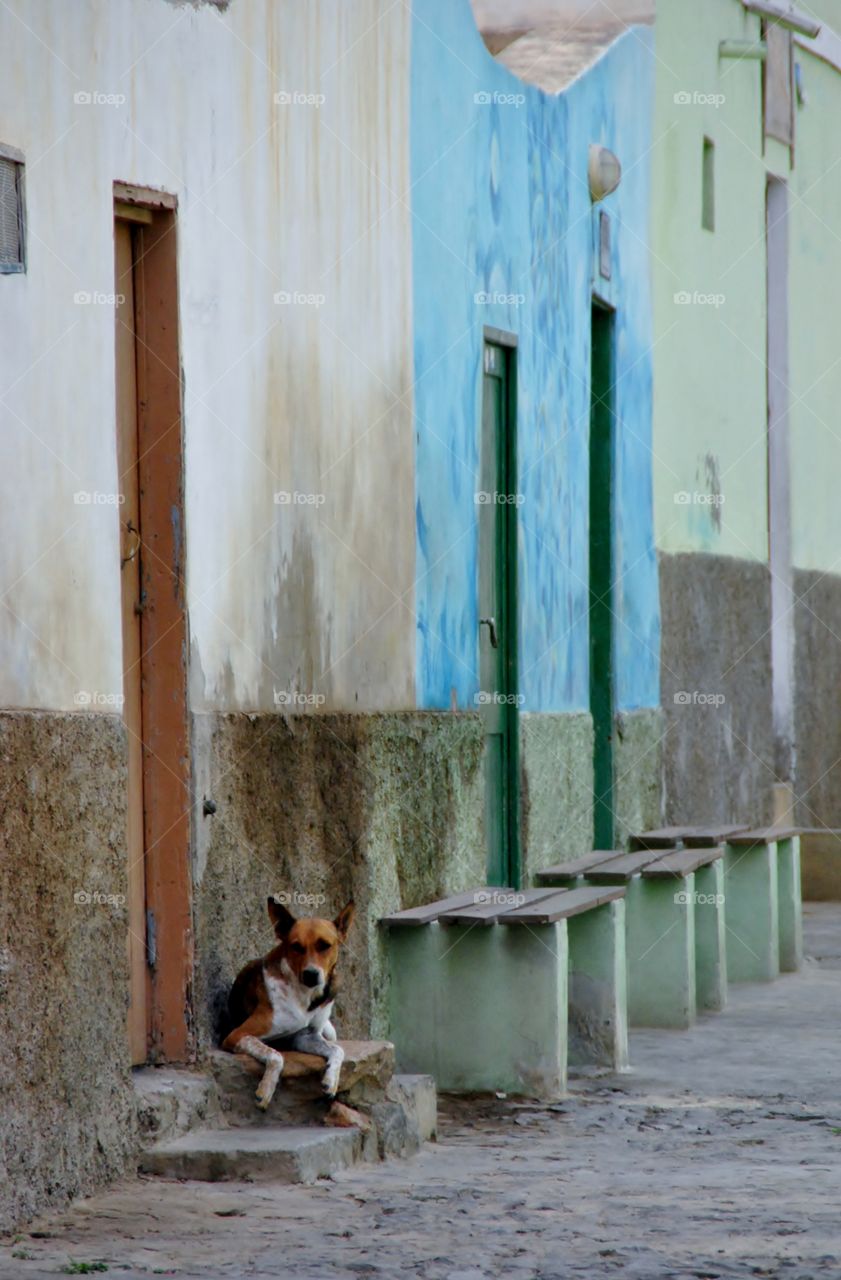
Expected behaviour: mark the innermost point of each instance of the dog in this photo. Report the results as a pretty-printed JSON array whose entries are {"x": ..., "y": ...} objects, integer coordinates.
[{"x": 288, "y": 995}]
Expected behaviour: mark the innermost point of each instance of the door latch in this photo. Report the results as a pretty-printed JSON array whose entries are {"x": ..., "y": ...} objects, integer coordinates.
[{"x": 490, "y": 623}]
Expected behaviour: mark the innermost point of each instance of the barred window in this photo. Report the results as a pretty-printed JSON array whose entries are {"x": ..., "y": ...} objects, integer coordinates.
[{"x": 11, "y": 213}]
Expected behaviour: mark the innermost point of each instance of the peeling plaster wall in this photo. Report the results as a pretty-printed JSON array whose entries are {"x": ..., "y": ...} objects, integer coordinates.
[
  {"x": 501, "y": 207},
  {"x": 307, "y": 396}
]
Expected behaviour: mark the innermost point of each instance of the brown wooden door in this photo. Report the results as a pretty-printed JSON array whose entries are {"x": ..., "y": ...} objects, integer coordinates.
[{"x": 129, "y": 489}]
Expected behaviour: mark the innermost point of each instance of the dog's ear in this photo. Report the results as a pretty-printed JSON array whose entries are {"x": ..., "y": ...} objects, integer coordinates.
[
  {"x": 344, "y": 920},
  {"x": 281, "y": 918}
]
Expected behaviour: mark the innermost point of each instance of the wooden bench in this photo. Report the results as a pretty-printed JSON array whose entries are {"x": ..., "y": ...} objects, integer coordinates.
[
  {"x": 689, "y": 837},
  {"x": 675, "y": 951},
  {"x": 764, "y": 903},
  {"x": 497, "y": 989}
]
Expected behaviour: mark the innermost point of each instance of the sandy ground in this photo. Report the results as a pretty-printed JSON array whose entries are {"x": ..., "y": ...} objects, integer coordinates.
[{"x": 719, "y": 1155}]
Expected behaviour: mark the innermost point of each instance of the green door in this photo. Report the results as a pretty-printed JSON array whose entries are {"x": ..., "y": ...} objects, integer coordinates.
[
  {"x": 498, "y": 613},
  {"x": 601, "y": 573}
]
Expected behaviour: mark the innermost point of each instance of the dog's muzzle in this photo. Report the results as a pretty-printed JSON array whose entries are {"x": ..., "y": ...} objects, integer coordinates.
[{"x": 312, "y": 977}]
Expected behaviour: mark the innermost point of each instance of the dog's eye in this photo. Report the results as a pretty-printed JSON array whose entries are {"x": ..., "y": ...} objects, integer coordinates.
[
  {"x": 297, "y": 948},
  {"x": 322, "y": 945}
]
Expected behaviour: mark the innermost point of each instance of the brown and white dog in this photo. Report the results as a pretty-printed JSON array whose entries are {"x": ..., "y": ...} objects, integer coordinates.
[{"x": 288, "y": 995}]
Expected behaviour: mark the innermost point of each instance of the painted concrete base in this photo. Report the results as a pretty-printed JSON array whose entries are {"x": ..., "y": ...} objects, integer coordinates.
[
  {"x": 482, "y": 1008},
  {"x": 387, "y": 809},
  {"x": 556, "y": 778},
  {"x": 716, "y": 642},
  {"x": 598, "y": 987},
  {"x": 751, "y": 889},
  {"x": 67, "y": 1117},
  {"x": 637, "y": 772},
  {"x": 710, "y": 938},
  {"x": 790, "y": 904},
  {"x": 817, "y": 679},
  {"x": 661, "y": 952}
]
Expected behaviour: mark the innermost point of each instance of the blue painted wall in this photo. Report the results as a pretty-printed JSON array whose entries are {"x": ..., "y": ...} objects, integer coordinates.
[{"x": 501, "y": 206}]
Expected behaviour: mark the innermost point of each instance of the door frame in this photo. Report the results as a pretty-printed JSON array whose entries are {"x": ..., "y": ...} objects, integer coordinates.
[
  {"x": 508, "y": 342},
  {"x": 602, "y": 480},
  {"x": 163, "y": 623}
]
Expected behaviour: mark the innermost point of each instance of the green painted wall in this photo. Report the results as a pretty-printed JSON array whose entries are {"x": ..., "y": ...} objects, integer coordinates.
[
  {"x": 708, "y": 445},
  {"x": 709, "y": 386}
]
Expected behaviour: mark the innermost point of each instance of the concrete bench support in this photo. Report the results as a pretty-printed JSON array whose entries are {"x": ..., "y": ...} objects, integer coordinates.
[
  {"x": 751, "y": 890},
  {"x": 661, "y": 952},
  {"x": 482, "y": 1007},
  {"x": 710, "y": 938},
  {"x": 598, "y": 987},
  {"x": 790, "y": 904}
]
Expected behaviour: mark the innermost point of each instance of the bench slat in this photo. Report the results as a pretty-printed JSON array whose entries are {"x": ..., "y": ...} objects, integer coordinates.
[
  {"x": 415, "y": 916},
  {"x": 660, "y": 838},
  {"x": 560, "y": 906},
  {"x": 680, "y": 862},
  {"x": 500, "y": 902},
  {"x": 621, "y": 868},
  {"x": 764, "y": 835},
  {"x": 576, "y": 866},
  {"x": 702, "y": 836}
]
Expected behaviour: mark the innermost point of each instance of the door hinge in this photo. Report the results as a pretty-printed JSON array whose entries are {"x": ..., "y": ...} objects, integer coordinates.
[{"x": 151, "y": 939}]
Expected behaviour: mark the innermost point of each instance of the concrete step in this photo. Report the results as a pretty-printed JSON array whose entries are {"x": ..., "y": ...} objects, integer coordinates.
[
  {"x": 294, "y": 1153},
  {"x": 366, "y": 1071}
]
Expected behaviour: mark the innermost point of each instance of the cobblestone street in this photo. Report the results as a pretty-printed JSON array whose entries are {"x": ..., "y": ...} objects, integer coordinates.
[{"x": 718, "y": 1155}]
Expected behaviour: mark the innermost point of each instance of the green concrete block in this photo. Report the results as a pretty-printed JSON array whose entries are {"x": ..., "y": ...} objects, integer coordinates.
[
  {"x": 481, "y": 1007},
  {"x": 751, "y": 893},
  {"x": 598, "y": 987},
  {"x": 710, "y": 937},
  {"x": 790, "y": 904},
  {"x": 661, "y": 952}
]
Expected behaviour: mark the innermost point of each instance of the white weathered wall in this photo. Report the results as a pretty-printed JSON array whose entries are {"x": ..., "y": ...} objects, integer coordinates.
[{"x": 273, "y": 197}]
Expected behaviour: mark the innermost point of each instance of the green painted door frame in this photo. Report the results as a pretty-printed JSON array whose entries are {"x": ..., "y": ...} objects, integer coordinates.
[
  {"x": 498, "y": 675},
  {"x": 601, "y": 574}
]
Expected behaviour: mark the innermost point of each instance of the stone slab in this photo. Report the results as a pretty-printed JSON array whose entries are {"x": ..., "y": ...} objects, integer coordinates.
[{"x": 284, "y": 1154}]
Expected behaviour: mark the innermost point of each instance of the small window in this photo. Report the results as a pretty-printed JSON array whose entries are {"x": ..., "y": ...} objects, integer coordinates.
[
  {"x": 12, "y": 257},
  {"x": 708, "y": 186}
]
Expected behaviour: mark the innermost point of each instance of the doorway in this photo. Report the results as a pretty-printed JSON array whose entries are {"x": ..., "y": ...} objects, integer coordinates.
[
  {"x": 154, "y": 626},
  {"x": 498, "y": 676},
  {"x": 601, "y": 576}
]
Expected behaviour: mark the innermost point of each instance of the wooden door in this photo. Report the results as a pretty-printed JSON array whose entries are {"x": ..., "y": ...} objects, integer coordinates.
[
  {"x": 129, "y": 490},
  {"x": 497, "y": 613}
]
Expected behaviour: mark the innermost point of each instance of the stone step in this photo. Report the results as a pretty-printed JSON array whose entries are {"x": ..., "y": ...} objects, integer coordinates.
[
  {"x": 293, "y": 1153},
  {"x": 366, "y": 1071}
]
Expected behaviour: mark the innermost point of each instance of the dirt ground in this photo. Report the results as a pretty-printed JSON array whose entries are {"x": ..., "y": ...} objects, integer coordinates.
[{"x": 719, "y": 1155}]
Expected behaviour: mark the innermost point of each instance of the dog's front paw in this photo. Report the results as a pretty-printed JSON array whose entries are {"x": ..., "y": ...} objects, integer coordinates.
[
  {"x": 330, "y": 1081},
  {"x": 266, "y": 1087}
]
